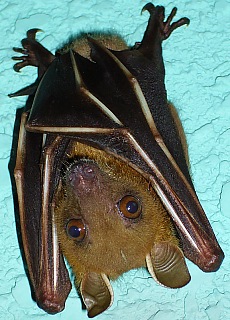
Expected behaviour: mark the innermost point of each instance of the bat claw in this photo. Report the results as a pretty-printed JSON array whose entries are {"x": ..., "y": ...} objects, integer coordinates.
[
  {"x": 31, "y": 33},
  {"x": 158, "y": 14},
  {"x": 148, "y": 7},
  {"x": 24, "y": 59},
  {"x": 19, "y": 58},
  {"x": 18, "y": 66},
  {"x": 20, "y": 50},
  {"x": 33, "y": 54},
  {"x": 167, "y": 28}
]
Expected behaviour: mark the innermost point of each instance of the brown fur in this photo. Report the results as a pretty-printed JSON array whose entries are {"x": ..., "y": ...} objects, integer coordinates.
[
  {"x": 81, "y": 44},
  {"x": 112, "y": 244}
]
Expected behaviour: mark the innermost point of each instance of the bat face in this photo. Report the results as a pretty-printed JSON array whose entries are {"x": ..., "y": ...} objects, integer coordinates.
[
  {"x": 101, "y": 196},
  {"x": 102, "y": 170},
  {"x": 109, "y": 220},
  {"x": 98, "y": 205}
]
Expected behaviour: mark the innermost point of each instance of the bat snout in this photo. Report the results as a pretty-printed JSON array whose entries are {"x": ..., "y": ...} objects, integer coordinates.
[{"x": 83, "y": 176}]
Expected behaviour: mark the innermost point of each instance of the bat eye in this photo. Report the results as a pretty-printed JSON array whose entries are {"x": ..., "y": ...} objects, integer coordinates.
[
  {"x": 130, "y": 207},
  {"x": 75, "y": 229}
]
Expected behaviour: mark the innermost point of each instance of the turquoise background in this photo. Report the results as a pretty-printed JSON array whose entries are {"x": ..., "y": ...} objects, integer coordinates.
[{"x": 198, "y": 83}]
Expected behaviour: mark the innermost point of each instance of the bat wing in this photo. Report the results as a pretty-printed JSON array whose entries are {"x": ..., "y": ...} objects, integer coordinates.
[
  {"x": 118, "y": 102},
  {"x": 33, "y": 173}
]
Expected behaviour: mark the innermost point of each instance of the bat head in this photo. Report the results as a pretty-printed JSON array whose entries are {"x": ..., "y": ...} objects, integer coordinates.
[{"x": 110, "y": 220}]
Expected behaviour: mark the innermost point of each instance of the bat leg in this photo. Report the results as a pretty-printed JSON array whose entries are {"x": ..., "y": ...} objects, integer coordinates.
[
  {"x": 33, "y": 54},
  {"x": 47, "y": 271}
]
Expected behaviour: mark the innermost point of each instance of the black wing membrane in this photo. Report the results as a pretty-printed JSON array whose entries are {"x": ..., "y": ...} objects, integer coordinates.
[
  {"x": 34, "y": 176},
  {"x": 66, "y": 102},
  {"x": 118, "y": 102}
]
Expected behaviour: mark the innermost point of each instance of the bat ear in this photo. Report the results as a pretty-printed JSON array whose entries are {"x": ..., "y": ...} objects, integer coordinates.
[
  {"x": 167, "y": 266},
  {"x": 96, "y": 292}
]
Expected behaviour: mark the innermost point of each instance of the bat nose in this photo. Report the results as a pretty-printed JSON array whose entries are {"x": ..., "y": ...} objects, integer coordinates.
[
  {"x": 81, "y": 172},
  {"x": 83, "y": 177}
]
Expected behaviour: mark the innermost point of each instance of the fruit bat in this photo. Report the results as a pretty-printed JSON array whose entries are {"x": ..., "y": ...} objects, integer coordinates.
[{"x": 102, "y": 170}]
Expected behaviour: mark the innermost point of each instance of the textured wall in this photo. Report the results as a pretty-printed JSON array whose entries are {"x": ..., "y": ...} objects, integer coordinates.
[{"x": 198, "y": 77}]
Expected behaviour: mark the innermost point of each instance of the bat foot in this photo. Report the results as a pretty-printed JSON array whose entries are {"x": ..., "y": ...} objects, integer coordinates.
[
  {"x": 167, "y": 28},
  {"x": 157, "y": 13},
  {"x": 29, "y": 50},
  {"x": 33, "y": 54}
]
